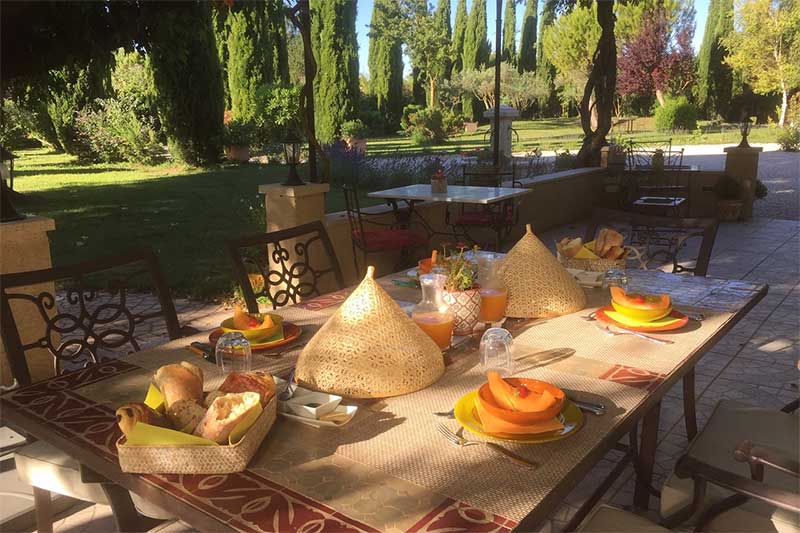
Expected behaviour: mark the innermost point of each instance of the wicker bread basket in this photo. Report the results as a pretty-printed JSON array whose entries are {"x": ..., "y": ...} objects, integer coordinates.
[
  {"x": 538, "y": 285},
  {"x": 198, "y": 459},
  {"x": 369, "y": 348},
  {"x": 600, "y": 264}
]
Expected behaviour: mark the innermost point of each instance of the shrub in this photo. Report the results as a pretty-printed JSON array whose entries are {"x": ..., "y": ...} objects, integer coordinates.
[
  {"x": 239, "y": 133},
  {"x": 425, "y": 126},
  {"x": 565, "y": 160},
  {"x": 728, "y": 188},
  {"x": 16, "y": 126},
  {"x": 761, "y": 190},
  {"x": 789, "y": 138},
  {"x": 278, "y": 114},
  {"x": 354, "y": 129},
  {"x": 409, "y": 110},
  {"x": 452, "y": 122},
  {"x": 676, "y": 114}
]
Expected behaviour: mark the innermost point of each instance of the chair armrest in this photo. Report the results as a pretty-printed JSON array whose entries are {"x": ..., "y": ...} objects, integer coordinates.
[
  {"x": 747, "y": 452},
  {"x": 690, "y": 467}
]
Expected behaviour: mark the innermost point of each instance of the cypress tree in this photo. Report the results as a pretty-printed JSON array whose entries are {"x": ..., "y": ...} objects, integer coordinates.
[
  {"x": 510, "y": 32},
  {"x": 527, "y": 42},
  {"x": 442, "y": 19},
  {"x": 714, "y": 87},
  {"x": 276, "y": 39},
  {"x": 336, "y": 91},
  {"x": 188, "y": 78},
  {"x": 459, "y": 30},
  {"x": 476, "y": 49},
  {"x": 544, "y": 68},
  {"x": 385, "y": 65},
  {"x": 219, "y": 18}
]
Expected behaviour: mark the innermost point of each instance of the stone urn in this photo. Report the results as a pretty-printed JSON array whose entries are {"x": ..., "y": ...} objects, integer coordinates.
[
  {"x": 238, "y": 153},
  {"x": 466, "y": 307}
]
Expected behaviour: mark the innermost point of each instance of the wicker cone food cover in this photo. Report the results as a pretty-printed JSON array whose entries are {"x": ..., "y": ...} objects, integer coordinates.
[
  {"x": 537, "y": 284},
  {"x": 369, "y": 348}
]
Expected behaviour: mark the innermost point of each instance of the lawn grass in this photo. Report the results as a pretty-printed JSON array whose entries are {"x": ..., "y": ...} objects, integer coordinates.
[
  {"x": 562, "y": 134},
  {"x": 184, "y": 214}
]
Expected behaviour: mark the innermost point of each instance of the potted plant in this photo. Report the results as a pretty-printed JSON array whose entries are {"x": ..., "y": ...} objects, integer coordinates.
[
  {"x": 355, "y": 133},
  {"x": 461, "y": 291},
  {"x": 238, "y": 137},
  {"x": 761, "y": 190},
  {"x": 729, "y": 198}
]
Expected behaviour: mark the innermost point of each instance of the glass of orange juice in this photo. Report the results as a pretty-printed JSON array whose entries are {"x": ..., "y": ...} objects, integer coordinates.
[
  {"x": 493, "y": 294},
  {"x": 432, "y": 314}
]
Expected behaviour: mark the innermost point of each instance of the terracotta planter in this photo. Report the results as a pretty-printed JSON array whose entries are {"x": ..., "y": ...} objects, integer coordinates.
[
  {"x": 729, "y": 210},
  {"x": 238, "y": 153},
  {"x": 466, "y": 306}
]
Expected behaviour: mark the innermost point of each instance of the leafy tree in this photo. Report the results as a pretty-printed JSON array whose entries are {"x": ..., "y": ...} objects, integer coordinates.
[
  {"x": 442, "y": 17},
  {"x": 527, "y": 43},
  {"x": 188, "y": 78},
  {"x": 766, "y": 50},
  {"x": 71, "y": 88},
  {"x": 520, "y": 90},
  {"x": 510, "y": 32},
  {"x": 475, "y": 55},
  {"x": 569, "y": 45},
  {"x": 336, "y": 52},
  {"x": 459, "y": 30},
  {"x": 659, "y": 57},
  {"x": 714, "y": 86},
  {"x": 385, "y": 64}
]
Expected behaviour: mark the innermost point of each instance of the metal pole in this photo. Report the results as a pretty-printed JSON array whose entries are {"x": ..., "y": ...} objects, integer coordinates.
[{"x": 498, "y": 53}]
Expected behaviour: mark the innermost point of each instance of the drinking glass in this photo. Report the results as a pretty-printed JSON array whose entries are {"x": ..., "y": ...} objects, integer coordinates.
[
  {"x": 233, "y": 353},
  {"x": 615, "y": 277},
  {"x": 495, "y": 351}
]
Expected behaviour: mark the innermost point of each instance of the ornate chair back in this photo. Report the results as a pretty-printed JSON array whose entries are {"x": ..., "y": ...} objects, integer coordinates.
[
  {"x": 662, "y": 240},
  {"x": 285, "y": 266},
  {"x": 91, "y": 317}
]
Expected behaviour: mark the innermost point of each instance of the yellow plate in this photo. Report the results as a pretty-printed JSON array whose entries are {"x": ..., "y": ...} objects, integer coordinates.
[{"x": 570, "y": 416}]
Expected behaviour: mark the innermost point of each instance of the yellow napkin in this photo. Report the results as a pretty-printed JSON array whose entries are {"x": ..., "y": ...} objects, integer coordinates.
[
  {"x": 586, "y": 252},
  {"x": 632, "y": 322},
  {"x": 154, "y": 399}
]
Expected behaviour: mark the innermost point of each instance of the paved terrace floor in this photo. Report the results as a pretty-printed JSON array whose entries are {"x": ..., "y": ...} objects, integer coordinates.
[{"x": 755, "y": 363}]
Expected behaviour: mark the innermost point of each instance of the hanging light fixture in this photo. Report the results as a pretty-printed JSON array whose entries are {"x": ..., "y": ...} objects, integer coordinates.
[{"x": 292, "y": 146}]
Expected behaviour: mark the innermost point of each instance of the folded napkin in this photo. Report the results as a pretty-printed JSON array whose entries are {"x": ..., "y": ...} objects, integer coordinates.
[
  {"x": 492, "y": 424},
  {"x": 633, "y": 323}
]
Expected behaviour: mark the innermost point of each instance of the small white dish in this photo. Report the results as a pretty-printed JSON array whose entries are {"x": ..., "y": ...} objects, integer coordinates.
[
  {"x": 413, "y": 273},
  {"x": 337, "y": 418},
  {"x": 311, "y": 404}
]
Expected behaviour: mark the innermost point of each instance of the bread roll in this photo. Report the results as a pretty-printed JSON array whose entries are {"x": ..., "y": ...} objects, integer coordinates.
[
  {"x": 615, "y": 252},
  {"x": 606, "y": 239},
  {"x": 224, "y": 414},
  {"x": 211, "y": 396},
  {"x": 180, "y": 382},
  {"x": 570, "y": 247},
  {"x": 185, "y": 415},
  {"x": 258, "y": 382},
  {"x": 132, "y": 413}
]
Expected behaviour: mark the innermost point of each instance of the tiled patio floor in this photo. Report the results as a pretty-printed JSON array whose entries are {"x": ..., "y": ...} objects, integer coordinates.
[{"x": 755, "y": 363}]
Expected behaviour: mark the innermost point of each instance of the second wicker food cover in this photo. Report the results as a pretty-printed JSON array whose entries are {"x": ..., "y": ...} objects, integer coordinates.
[
  {"x": 369, "y": 348},
  {"x": 538, "y": 285}
]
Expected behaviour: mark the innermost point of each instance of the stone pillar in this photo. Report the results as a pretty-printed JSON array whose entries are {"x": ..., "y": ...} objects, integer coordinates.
[
  {"x": 742, "y": 164},
  {"x": 287, "y": 207},
  {"x": 24, "y": 246},
  {"x": 507, "y": 116}
]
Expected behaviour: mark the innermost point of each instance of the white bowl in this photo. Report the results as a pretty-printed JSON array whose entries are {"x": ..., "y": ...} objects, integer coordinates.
[{"x": 312, "y": 404}]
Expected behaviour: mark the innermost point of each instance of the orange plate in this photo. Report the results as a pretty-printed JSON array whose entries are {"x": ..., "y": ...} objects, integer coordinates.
[
  {"x": 600, "y": 314},
  {"x": 290, "y": 333}
]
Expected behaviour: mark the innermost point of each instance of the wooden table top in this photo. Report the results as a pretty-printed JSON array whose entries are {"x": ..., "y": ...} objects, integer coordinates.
[{"x": 388, "y": 469}]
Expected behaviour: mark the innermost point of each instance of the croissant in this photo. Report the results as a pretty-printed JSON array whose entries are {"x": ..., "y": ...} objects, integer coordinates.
[{"x": 131, "y": 414}]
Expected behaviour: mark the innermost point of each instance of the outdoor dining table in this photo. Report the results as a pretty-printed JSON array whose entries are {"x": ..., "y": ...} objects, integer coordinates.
[
  {"x": 456, "y": 194},
  {"x": 389, "y": 469}
]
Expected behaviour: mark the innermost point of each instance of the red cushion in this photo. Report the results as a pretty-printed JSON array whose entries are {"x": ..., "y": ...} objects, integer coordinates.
[
  {"x": 389, "y": 239},
  {"x": 483, "y": 218}
]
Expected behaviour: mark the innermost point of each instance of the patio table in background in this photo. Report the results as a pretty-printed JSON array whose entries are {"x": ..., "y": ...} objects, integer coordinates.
[
  {"x": 456, "y": 194},
  {"x": 389, "y": 469}
]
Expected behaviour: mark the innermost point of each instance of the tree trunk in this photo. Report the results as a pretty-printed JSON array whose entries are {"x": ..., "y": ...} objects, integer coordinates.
[
  {"x": 598, "y": 95},
  {"x": 660, "y": 97},
  {"x": 432, "y": 88},
  {"x": 784, "y": 104}
]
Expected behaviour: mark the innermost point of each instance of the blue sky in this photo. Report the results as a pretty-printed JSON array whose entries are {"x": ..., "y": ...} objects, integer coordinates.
[{"x": 365, "y": 12}]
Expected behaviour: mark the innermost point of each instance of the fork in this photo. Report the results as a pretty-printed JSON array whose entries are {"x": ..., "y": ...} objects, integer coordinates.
[
  {"x": 608, "y": 331},
  {"x": 459, "y": 440}
]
